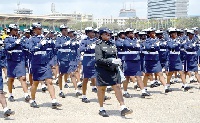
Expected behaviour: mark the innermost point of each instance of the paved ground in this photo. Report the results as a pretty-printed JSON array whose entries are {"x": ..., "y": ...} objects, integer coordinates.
[{"x": 176, "y": 107}]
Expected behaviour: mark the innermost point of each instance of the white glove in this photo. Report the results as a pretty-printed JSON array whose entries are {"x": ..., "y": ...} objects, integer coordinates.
[
  {"x": 74, "y": 43},
  {"x": 165, "y": 43},
  {"x": 137, "y": 45},
  {"x": 67, "y": 43},
  {"x": 17, "y": 41},
  {"x": 49, "y": 41},
  {"x": 43, "y": 42},
  {"x": 193, "y": 45},
  {"x": 117, "y": 61},
  {"x": 92, "y": 46}
]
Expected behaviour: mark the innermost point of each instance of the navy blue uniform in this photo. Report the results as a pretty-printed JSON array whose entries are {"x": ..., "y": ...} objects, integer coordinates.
[
  {"x": 15, "y": 57},
  {"x": 151, "y": 56},
  {"x": 190, "y": 63},
  {"x": 174, "y": 59},
  {"x": 132, "y": 62},
  {"x": 41, "y": 68},
  {"x": 163, "y": 53},
  {"x": 88, "y": 61}
]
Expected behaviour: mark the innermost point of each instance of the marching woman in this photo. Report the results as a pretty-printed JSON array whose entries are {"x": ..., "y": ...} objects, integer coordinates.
[
  {"x": 40, "y": 65},
  {"x": 16, "y": 62},
  {"x": 132, "y": 62},
  {"x": 174, "y": 59},
  {"x": 190, "y": 63},
  {"x": 107, "y": 71}
]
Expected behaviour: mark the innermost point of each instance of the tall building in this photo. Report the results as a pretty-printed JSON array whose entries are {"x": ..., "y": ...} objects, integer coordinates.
[
  {"x": 131, "y": 13},
  {"x": 23, "y": 11},
  {"x": 167, "y": 8}
]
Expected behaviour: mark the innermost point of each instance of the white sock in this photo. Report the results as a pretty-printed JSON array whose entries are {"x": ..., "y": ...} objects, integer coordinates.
[
  {"x": 57, "y": 75},
  {"x": 54, "y": 100},
  {"x": 123, "y": 107},
  {"x": 5, "y": 109},
  {"x": 94, "y": 87},
  {"x": 125, "y": 92},
  {"x": 152, "y": 82},
  {"x": 84, "y": 96},
  {"x": 166, "y": 87},
  {"x": 143, "y": 91},
  {"x": 185, "y": 85},
  {"x": 11, "y": 94},
  {"x": 53, "y": 77},
  {"x": 78, "y": 83},
  {"x": 135, "y": 83},
  {"x": 101, "y": 109},
  {"x": 43, "y": 86},
  {"x": 32, "y": 101},
  {"x": 191, "y": 78},
  {"x": 108, "y": 86},
  {"x": 26, "y": 94}
]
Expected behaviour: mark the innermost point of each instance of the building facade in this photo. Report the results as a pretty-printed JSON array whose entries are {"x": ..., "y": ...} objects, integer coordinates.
[{"x": 167, "y": 8}]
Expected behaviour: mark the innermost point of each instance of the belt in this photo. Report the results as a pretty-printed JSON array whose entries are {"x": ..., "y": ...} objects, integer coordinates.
[
  {"x": 89, "y": 54},
  {"x": 177, "y": 52},
  {"x": 129, "y": 52},
  {"x": 40, "y": 53},
  {"x": 163, "y": 49},
  {"x": 49, "y": 49},
  {"x": 191, "y": 52},
  {"x": 16, "y": 51},
  {"x": 152, "y": 53},
  {"x": 64, "y": 50}
]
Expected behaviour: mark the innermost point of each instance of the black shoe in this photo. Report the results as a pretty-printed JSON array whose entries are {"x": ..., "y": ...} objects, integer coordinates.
[
  {"x": 135, "y": 87},
  {"x": 145, "y": 94},
  {"x": 44, "y": 89},
  {"x": 172, "y": 82},
  {"x": 68, "y": 81},
  {"x": 57, "y": 83},
  {"x": 78, "y": 94},
  {"x": 13, "y": 87},
  {"x": 27, "y": 98},
  {"x": 107, "y": 98},
  {"x": 192, "y": 81},
  {"x": 85, "y": 100},
  {"x": 153, "y": 85},
  {"x": 34, "y": 105},
  {"x": 8, "y": 113},
  {"x": 127, "y": 95},
  {"x": 109, "y": 89},
  {"x": 56, "y": 105},
  {"x": 80, "y": 85},
  {"x": 187, "y": 88},
  {"x": 61, "y": 94},
  {"x": 94, "y": 90},
  {"x": 168, "y": 90},
  {"x": 103, "y": 113},
  {"x": 126, "y": 111},
  {"x": 66, "y": 85},
  {"x": 11, "y": 99},
  {"x": 156, "y": 83}
]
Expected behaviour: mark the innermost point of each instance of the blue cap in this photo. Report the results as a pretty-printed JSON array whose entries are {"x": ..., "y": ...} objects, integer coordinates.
[{"x": 103, "y": 30}]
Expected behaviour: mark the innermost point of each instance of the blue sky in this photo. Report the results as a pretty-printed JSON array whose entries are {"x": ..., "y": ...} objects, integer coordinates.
[{"x": 99, "y": 8}]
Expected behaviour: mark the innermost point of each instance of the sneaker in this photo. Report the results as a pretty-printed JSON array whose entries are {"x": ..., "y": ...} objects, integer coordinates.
[
  {"x": 57, "y": 83},
  {"x": 56, "y": 105},
  {"x": 8, "y": 113},
  {"x": 13, "y": 87},
  {"x": 136, "y": 87},
  {"x": 145, "y": 94},
  {"x": 127, "y": 95},
  {"x": 34, "y": 105},
  {"x": 157, "y": 83},
  {"x": 187, "y": 88},
  {"x": 11, "y": 99},
  {"x": 68, "y": 81},
  {"x": 168, "y": 90},
  {"x": 85, "y": 100},
  {"x": 44, "y": 89},
  {"x": 27, "y": 98},
  {"x": 94, "y": 90},
  {"x": 66, "y": 85},
  {"x": 126, "y": 111},
  {"x": 61, "y": 94},
  {"x": 103, "y": 113},
  {"x": 153, "y": 85},
  {"x": 78, "y": 94},
  {"x": 172, "y": 82},
  {"x": 80, "y": 85},
  {"x": 107, "y": 98}
]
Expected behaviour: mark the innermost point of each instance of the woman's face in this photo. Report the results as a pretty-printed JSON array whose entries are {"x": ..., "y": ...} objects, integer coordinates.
[
  {"x": 105, "y": 36},
  {"x": 38, "y": 31}
]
